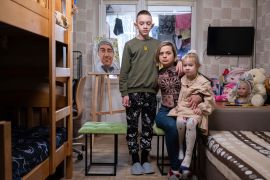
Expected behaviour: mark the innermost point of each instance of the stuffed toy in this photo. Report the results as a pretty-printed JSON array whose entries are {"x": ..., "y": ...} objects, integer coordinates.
[
  {"x": 229, "y": 81},
  {"x": 267, "y": 87},
  {"x": 259, "y": 92}
]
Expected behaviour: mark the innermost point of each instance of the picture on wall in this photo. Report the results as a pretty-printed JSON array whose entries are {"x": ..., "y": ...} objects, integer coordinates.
[{"x": 106, "y": 55}]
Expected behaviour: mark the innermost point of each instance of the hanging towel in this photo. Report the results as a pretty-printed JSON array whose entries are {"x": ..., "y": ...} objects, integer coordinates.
[{"x": 118, "y": 27}]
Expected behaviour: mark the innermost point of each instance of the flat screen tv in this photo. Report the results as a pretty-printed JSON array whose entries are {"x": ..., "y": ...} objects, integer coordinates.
[{"x": 234, "y": 41}]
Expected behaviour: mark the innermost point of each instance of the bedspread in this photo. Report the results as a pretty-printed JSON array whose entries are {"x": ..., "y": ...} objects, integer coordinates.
[
  {"x": 31, "y": 147},
  {"x": 240, "y": 154}
]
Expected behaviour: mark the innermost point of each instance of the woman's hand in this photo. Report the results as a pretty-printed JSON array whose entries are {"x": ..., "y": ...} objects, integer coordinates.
[
  {"x": 194, "y": 100},
  {"x": 179, "y": 68},
  {"x": 197, "y": 111},
  {"x": 125, "y": 101}
]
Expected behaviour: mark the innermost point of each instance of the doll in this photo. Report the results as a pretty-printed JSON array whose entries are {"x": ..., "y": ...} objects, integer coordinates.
[{"x": 241, "y": 94}]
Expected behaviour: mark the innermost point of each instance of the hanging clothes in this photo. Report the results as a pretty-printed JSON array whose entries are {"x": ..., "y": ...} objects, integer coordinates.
[
  {"x": 177, "y": 41},
  {"x": 166, "y": 24},
  {"x": 118, "y": 27},
  {"x": 183, "y": 21}
]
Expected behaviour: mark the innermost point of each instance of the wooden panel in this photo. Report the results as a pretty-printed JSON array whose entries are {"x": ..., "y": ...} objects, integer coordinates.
[
  {"x": 41, "y": 171},
  {"x": 5, "y": 150},
  {"x": 62, "y": 113},
  {"x": 62, "y": 79},
  {"x": 14, "y": 14},
  {"x": 34, "y": 6},
  {"x": 29, "y": 99},
  {"x": 61, "y": 154},
  {"x": 58, "y": 5}
]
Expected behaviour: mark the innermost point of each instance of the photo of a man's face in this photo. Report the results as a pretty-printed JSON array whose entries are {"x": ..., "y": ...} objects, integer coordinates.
[
  {"x": 106, "y": 59},
  {"x": 106, "y": 53}
]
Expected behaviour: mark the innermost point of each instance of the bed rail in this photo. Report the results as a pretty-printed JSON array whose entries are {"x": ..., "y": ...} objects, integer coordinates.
[{"x": 5, "y": 150}]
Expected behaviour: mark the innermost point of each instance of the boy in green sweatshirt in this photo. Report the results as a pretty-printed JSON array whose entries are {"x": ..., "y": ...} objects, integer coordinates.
[{"x": 137, "y": 83}]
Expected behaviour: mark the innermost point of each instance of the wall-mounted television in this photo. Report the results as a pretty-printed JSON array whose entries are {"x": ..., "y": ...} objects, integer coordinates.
[{"x": 234, "y": 41}]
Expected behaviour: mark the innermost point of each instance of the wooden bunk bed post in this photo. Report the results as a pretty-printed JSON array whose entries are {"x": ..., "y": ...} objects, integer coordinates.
[
  {"x": 68, "y": 39},
  {"x": 52, "y": 86},
  {"x": 5, "y": 150}
]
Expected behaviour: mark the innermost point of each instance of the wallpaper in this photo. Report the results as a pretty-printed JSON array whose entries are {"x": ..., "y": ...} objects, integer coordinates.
[
  {"x": 225, "y": 13},
  {"x": 263, "y": 35}
]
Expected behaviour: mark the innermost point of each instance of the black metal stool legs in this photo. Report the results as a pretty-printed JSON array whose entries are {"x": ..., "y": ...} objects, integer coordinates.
[{"x": 91, "y": 163}]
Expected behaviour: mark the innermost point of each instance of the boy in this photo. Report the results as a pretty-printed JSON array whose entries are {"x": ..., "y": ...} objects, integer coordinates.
[{"x": 137, "y": 83}]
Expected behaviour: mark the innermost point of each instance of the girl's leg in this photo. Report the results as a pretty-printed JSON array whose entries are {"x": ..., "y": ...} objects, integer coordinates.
[
  {"x": 191, "y": 133},
  {"x": 181, "y": 127},
  {"x": 168, "y": 125}
]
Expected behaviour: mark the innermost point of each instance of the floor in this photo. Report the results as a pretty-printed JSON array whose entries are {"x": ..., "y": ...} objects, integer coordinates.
[{"x": 103, "y": 151}]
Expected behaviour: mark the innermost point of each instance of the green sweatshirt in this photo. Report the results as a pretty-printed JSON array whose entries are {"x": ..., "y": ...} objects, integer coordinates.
[{"x": 138, "y": 69}]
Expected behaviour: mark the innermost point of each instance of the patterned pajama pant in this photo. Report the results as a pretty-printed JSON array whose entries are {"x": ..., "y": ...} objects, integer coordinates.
[{"x": 143, "y": 104}]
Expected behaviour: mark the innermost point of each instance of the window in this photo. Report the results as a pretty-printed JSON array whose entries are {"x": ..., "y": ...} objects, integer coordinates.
[{"x": 173, "y": 21}]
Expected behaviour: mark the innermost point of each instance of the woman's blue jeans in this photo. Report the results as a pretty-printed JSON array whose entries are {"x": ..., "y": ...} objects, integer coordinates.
[{"x": 168, "y": 125}]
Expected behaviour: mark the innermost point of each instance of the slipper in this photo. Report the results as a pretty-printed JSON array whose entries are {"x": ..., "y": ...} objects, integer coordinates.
[
  {"x": 148, "y": 168},
  {"x": 186, "y": 173},
  {"x": 173, "y": 176},
  {"x": 137, "y": 169}
]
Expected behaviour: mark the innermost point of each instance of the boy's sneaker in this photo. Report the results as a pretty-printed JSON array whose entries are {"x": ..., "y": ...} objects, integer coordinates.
[{"x": 173, "y": 176}]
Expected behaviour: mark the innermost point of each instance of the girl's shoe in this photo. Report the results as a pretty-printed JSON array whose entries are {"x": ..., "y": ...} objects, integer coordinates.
[
  {"x": 173, "y": 176},
  {"x": 186, "y": 173}
]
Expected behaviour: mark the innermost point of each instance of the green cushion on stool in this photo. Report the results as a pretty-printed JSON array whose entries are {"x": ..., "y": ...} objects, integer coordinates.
[
  {"x": 158, "y": 131},
  {"x": 103, "y": 128}
]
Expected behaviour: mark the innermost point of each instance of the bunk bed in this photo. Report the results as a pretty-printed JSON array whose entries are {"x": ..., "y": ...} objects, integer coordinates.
[{"x": 36, "y": 85}]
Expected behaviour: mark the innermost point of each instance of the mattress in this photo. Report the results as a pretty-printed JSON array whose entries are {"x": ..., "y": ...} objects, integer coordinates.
[
  {"x": 30, "y": 147},
  {"x": 240, "y": 154}
]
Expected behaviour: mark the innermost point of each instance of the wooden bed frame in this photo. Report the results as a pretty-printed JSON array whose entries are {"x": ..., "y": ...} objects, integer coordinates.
[{"x": 39, "y": 20}]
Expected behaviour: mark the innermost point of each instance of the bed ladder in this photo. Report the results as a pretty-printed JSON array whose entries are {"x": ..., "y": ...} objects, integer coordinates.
[{"x": 60, "y": 49}]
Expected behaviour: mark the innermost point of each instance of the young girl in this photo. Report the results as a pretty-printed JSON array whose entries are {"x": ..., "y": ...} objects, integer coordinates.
[
  {"x": 170, "y": 84},
  {"x": 188, "y": 119}
]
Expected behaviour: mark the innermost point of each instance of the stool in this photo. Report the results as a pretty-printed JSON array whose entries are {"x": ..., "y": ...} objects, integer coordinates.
[
  {"x": 105, "y": 128},
  {"x": 160, "y": 162}
]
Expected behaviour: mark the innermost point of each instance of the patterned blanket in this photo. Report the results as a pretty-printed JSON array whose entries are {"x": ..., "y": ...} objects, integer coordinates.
[
  {"x": 240, "y": 154},
  {"x": 30, "y": 147}
]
